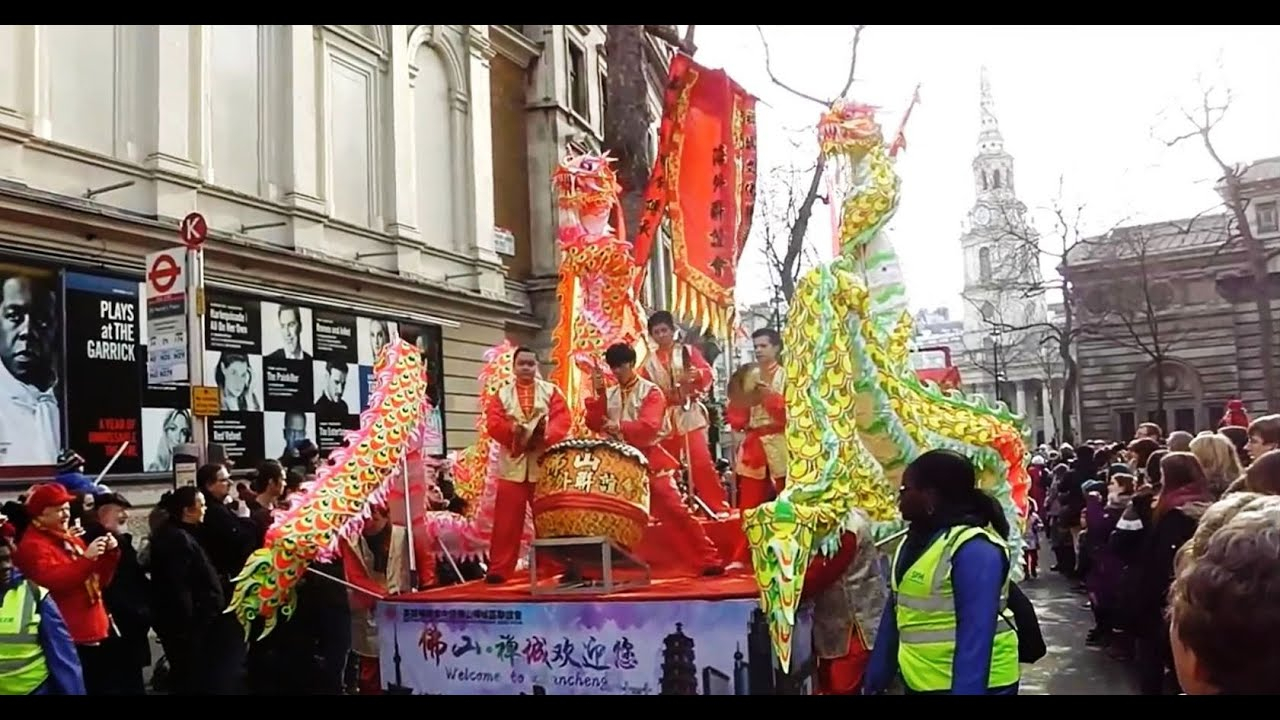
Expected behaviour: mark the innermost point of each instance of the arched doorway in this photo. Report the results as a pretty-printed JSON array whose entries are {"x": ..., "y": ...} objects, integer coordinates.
[{"x": 1183, "y": 396}]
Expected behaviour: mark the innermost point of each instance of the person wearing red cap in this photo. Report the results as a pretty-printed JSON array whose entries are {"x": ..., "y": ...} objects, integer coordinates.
[
  {"x": 36, "y": 651},
  {"x": 51, "y": 556}
]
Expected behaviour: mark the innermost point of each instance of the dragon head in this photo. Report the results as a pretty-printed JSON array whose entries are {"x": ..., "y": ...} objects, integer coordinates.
[
  {"x": 849, "y": 127},
  {"x": 586, "y": 183}
]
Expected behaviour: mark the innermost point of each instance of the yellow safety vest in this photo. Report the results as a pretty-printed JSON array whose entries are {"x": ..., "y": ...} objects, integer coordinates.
[
  {"x": 926, "y": 615},
  {"x": 22, "y": 664}
]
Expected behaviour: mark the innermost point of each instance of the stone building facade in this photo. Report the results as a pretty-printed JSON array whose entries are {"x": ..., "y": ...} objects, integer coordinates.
[{"x": 1171, "y": 325}]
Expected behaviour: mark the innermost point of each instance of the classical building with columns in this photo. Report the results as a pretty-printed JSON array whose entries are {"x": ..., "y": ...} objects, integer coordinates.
[
  {"x": 1170, "y": 316},
  {"x": 548, "y": 90},
  {"x": 396, "y": 171},
  {"x": 999, "y": 349}
]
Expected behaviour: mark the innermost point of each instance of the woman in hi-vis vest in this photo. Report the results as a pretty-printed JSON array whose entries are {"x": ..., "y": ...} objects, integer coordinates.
[{"x": 946, "y": 628}]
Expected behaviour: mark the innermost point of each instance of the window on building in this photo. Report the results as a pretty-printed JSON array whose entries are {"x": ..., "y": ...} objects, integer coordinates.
[
  {"x": 1213, "y": 412},
  {"x": 984, "y": 264},
  {"x": 988, "y": 311},
  {"x": 1158, "y": 417},
  {"x": 578, "y": 79},
  {"x": 1265, "y": 217},
  {"x": 1185, "y": 419},
  {"x": 1126, "y": 423},
  {"x": 604, "y": 95},
  {"x": 995, "y": 180}
]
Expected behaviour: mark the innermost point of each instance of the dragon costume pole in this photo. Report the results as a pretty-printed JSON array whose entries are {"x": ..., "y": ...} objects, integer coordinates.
[{"x": 408, "y": 524}]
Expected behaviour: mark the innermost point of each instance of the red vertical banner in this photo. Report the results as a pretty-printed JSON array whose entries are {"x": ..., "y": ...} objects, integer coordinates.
[{"x": 704, "y": 183}]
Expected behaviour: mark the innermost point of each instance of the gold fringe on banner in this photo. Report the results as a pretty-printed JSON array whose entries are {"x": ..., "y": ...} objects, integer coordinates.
[{"x": 699, "y": 310}]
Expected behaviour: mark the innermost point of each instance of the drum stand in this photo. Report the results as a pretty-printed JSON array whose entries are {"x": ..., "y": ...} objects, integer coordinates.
[{"x": 572, "y": 551}]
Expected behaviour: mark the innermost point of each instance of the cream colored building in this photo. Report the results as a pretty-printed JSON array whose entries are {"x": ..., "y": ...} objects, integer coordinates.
[{"x": 343, "y": 166}]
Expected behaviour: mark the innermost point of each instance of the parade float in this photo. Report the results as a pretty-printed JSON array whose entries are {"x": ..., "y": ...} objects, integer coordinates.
[
  {"x": 649, "y": 624},
  {"x": 857, "y": 414}
]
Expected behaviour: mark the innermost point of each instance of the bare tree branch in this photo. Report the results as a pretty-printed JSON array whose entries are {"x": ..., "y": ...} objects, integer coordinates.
[
  {"x": 789, "y": 261},
  {"x": 1201, "y": 122}
]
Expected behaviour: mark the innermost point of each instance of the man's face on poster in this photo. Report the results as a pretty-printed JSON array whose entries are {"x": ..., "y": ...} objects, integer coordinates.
[
  {"x": 378, "y": 336},
  {"x": 295, "y": 428},
  {"x": 290, "y": 328},
  {"x": 337, "y": 383},
  {"x": 26, "y": 330}
]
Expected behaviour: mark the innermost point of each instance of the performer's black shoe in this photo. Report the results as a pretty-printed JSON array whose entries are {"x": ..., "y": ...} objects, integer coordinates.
[
  {"x": 493, "y": 579},
  {"x": 713, "y": 571}
]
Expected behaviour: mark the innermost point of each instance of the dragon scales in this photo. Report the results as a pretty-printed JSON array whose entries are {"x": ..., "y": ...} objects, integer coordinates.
[{"x": 856, "y": 413}]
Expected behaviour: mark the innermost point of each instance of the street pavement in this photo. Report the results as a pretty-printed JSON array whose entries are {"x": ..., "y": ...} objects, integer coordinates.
[{"x": 1069, "y": 668}]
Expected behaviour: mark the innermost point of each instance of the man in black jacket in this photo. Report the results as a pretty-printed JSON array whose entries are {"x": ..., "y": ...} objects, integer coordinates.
[
  {"x": 127, "y": 598},
  {"x": 228, "y": 540}
]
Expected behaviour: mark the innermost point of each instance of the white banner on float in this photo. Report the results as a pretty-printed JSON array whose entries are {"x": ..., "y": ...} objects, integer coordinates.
[{"x": 687, "y": 647}]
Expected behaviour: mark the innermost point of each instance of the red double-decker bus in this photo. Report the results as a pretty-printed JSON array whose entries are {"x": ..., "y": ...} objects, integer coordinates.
[{"x": 934, "y": 364}]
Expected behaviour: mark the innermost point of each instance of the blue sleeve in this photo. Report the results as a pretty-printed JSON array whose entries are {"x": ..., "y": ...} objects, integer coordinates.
[
  {"x": 76, "y": 482},
  {"x": 977, "y": 574},
  {"x": 884, "y": 655},
  {"x": 65, "y": 675}
]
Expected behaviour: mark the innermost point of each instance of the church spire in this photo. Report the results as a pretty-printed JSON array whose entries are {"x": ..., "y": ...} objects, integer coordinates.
[{"x": 990, "y": 140}]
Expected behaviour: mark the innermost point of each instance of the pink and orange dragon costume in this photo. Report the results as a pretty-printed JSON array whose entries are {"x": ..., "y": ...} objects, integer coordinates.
[{"x": 597, "y": 308}]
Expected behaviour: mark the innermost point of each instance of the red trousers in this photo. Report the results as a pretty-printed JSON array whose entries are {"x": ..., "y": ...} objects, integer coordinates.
[
  {"x": 509, "y": 510},
  {"x": 702, "y": 469},
  {"x": 754, "y": 491},
  {"x": 369, "y": 676},
  {"x": 843, "y": 675},
  {"x": 667, "y": 507}
]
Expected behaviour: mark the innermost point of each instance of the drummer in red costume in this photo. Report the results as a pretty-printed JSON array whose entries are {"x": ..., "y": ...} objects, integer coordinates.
[
  {"x": 524, "y": 418},
  {"x": 762, "y": 457},
  {"x": 684, "y": 375},
  {"x": 634, "y": 412}
]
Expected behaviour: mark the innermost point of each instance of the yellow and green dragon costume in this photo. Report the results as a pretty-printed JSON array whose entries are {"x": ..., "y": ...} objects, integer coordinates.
[{"x": 856, "y": 412}]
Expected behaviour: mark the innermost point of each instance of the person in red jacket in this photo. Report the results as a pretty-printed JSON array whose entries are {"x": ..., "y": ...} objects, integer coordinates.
[
  {"x": 685, "y": 378},
  {"x": 634, "y": 412},
  {"x": 524, "y": 419},
  {"x": 51, "y": 555},
  {"x": 840, "y": 642},
  {"x": 762, "y": 416}
]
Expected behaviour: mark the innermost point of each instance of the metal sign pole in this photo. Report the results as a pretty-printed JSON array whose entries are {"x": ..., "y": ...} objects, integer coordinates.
[{"x": 195, "y": 343}]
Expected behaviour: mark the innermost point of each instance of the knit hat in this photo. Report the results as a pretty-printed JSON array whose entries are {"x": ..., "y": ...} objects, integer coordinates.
[
  {"x": 69, "y": 461},
  {"x": 46, "y": 495}
]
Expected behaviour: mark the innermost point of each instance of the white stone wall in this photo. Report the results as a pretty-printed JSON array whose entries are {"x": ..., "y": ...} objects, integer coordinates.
[{"x": 367, "y": 145}]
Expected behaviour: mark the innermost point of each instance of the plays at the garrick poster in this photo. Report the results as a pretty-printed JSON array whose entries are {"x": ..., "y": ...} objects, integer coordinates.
[{"x": 102, "y": 357}]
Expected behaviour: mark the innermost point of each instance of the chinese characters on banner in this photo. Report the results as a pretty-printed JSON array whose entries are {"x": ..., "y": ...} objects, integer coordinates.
[{"x": 573, "y": 648}]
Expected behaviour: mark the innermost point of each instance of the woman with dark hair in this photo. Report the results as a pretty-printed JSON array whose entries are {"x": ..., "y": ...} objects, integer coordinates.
[
  {"x": 947, "y": 628},
  {"x": 187, "y": 599},
  {"x": 1183, "y": 499}
]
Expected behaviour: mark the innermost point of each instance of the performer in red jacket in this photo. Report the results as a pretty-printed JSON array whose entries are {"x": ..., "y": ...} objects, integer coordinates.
[
  {"x": 839, "y": 642},
  {"x": 524, "y": 419},
  {"x": 51, "y": 555},
  {"x": 634, "y": 412},
  {"x": 762, "y": 416},
  {"x": 685, "y": 377}
]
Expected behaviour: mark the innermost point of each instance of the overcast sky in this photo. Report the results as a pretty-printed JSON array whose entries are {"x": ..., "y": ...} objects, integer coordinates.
[{"x": 1076, "y": 102}]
